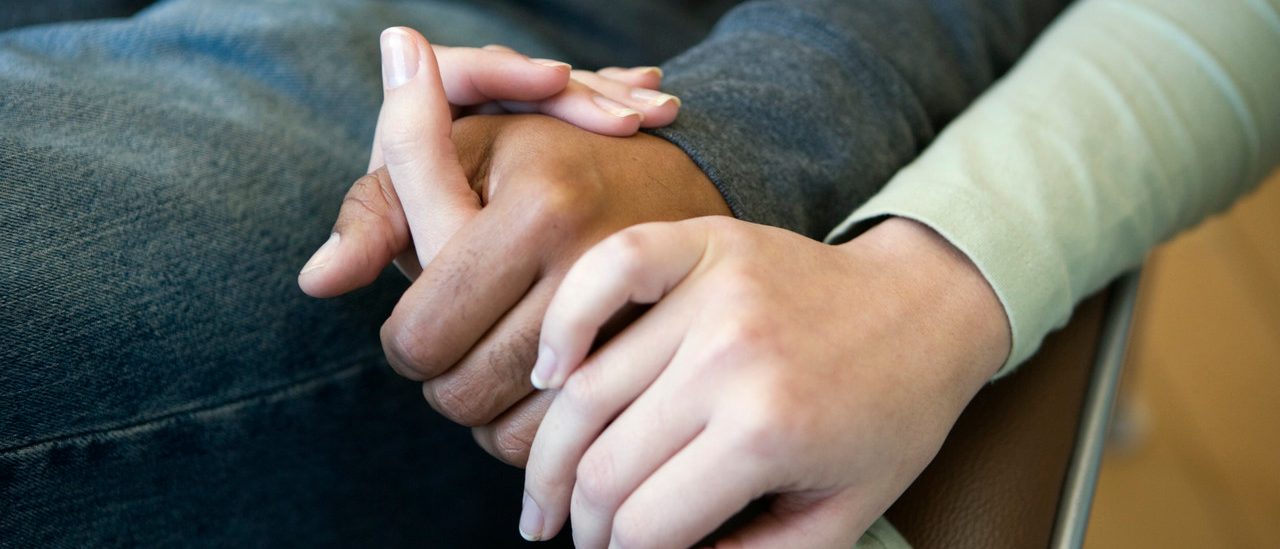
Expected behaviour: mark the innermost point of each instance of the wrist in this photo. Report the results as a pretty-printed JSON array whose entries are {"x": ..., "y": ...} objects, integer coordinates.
[
  {"x": 929, "y": 268},
  {"x": 704, "y": 197}
]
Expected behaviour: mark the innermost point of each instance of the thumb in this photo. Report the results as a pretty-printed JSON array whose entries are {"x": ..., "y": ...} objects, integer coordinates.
[
  {"x": 414, "y": 130},
  {"x": 370, "y": 232}
]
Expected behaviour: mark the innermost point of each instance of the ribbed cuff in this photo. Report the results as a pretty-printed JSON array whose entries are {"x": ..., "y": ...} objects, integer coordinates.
[{"x": 1006, "y": 243}]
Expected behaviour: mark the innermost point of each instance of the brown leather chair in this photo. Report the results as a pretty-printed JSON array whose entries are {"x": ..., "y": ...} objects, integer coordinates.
[{"x": 1020, "y": 467}]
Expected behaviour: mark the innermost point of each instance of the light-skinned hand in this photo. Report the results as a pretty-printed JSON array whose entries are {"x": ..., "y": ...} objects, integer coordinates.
[{"x": 821, "y": 377}]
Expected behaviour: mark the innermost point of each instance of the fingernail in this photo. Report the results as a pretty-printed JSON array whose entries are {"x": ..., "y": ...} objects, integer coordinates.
[
  {"x": 544, "y": 368},
  {"x": 552, "y": 63},
  {"x": 399, "y": 58},
  {"x": 655, "y": 98},
  {"x": 322, "y": 256},
  {"x": 530, "y": 519},
  {"x": 615, "y": 108},
  {"x": 655, "y": 70}
]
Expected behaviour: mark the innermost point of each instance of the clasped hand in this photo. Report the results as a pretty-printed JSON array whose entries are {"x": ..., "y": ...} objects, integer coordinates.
[
  {"x": 488, "y": 212},
  {"x": 820, "y": 377}
]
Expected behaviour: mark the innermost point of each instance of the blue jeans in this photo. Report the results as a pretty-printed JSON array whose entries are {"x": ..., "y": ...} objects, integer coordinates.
[{"x": 162, "y": 179}]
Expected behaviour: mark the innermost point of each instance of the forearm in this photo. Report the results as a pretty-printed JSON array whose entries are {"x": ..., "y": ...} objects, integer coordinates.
[
  {"x": 1132, "y": 120},
  {"x": 799, "y": 111}
]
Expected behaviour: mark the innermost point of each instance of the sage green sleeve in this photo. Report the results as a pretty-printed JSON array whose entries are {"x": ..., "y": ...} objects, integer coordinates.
[{"x": 1130, "y": 120}]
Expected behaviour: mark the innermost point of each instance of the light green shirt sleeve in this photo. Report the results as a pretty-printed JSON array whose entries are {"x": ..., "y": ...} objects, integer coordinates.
[{"x": 1127, "y": 122}]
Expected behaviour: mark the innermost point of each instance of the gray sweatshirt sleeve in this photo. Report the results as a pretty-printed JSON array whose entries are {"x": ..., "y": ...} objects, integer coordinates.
[{"x": 800, "y": 110}]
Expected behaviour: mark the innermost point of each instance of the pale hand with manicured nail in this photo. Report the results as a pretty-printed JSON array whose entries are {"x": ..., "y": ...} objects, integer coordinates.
[{"x": 825, "y": 377}]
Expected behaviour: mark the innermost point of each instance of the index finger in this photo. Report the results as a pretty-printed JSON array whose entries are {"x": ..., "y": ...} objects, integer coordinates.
[{"x": 640, "y": 264}]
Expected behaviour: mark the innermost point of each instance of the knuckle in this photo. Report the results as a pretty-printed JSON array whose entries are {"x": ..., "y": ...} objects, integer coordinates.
[
  {"x": 757, "y": 335},
  {"x": 579, "y": 393},
  {"x": 741, "y": 283},
  {"x": 745, "y": 332},
  {"x": 626, "y": 250},
  {"x": 629, "y": 533},
  {"x": 561, "y": 205},
  {"x": 366, "y": 195},
  {"x": 402, "y": 349},
  {"x": 400, "y": 142},
  {"x": 595, "y": 479},
  {"x": 455, "y": 399},
  {"x": 727, "y": 227},
  {"x": 543, "y": 478},
  {"x": 372, "y": 205},
  {"x": 512, "y": 444},
  {"x": 766, "y": 430},
  {"x": 507, "y": 359},
  {"x": 386, "y": 188},
  {"x": 758, "y": 437},
  {"x": 743, "y": 338}
]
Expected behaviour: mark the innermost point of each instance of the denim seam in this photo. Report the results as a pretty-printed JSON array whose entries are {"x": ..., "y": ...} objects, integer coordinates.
[{"x": 206, "y": 409}]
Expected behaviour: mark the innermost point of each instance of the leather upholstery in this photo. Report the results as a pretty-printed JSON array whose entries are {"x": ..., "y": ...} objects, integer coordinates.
[{"x": 999, "y": 476}]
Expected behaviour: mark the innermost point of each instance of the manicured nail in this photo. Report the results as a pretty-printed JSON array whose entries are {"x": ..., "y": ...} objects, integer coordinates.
[
  {"x": 552, "y": 63},
  {"x": 322, "y": 256},
  {"x": 399, "y": 58},
  {"x": 530, "y": 520},
  {"x": 655, "y": 98},
  {"x": 655, "y": 70},
  {"x": 615, "y": 108},
  {"x": 544, "y": 369}
]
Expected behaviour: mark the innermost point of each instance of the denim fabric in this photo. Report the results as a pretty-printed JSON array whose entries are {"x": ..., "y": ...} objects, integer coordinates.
[{"x": 21, "y": 13}]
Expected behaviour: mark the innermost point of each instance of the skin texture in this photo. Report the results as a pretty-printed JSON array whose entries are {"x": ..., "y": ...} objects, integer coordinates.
[
  {"x": 468, "y": 326},
  {"x": 496, "y": 209},
  {"x": 823, "y": 377}
]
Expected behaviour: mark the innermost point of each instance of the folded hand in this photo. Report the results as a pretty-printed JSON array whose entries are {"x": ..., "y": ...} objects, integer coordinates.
[{"x": 822, "y": 377}]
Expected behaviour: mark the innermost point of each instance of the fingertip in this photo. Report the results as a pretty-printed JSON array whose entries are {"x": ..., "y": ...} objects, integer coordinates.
[
  {"x": 544, "y": 374},
  {"x": 641, "y": 77},
  {"x": 631, "y": 107},
  {"x": 535, "y": 379},
  {"x": 387, "y": 32},
  {"x": 497, "y": 74},
  {"x": 654, "y": 98},
  {"x": 625, "y": 127},
  {"x": 627, "y": 119},
  {"x": 559, "y": 66},
  {"x": 549, "y": 78},
  {"x": 314, "y": 285},
  {"x": 401, "y": 57},
  {"x": 409, "y": 32},
  {"x": 406, "y": 49},
  {"x": 531, "y": 524},
  {"x": 659, "y": 119},
  {"x": 311, "y": 278},
  {"x": 309, "y": 287},
  {"x": 651, "y": 72}
]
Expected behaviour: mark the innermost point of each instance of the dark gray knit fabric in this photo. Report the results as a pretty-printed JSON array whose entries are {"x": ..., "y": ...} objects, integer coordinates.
[{"x": 800, "y": 110}]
